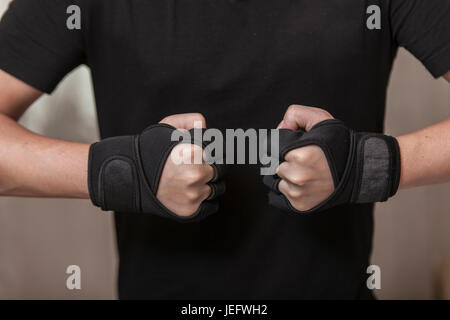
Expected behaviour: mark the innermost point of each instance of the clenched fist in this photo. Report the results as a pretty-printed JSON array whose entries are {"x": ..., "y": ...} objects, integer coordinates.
[
  {"x": 137, "y": 174},
  {"x": 306, "y": 179},
  {"x": 184, "y": 186},
  {"x": 325, "y": 163}
]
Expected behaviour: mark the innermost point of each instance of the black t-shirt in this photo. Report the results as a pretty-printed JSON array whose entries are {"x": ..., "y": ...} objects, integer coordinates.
[{"x": 241, "y": 64}]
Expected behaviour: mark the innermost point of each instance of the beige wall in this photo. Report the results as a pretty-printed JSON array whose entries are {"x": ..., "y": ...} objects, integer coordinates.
[
  {"x": 412, "y": 230},
  {"x": 39, "y": 238}
]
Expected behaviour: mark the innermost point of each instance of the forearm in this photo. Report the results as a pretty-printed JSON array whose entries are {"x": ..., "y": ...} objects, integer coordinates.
[
  {"x": 425, "y": 156},
  {"x": 35, "y": 166}
]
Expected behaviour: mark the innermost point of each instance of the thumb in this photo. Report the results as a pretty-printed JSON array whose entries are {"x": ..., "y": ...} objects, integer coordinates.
[
  {"x": 287, "y": 124},
  {"x": 303, "y": 117},
  {"x": 185, "y": 121}
]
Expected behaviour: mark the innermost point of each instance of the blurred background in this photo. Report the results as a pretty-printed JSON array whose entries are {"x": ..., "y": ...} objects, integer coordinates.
[{"x": 40, "y": 238}]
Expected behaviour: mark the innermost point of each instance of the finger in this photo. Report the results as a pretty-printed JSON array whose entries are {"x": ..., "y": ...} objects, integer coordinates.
[
  {"x": 283, "y": 187},
  {"x": 306, "y": 156},
  {"x": 284, "y": 124},
  {"x": 289, "y": 190},
  {"x": 208, "y": 173},
  {"x": 186, "y": 154},
  {"x": 285, "y": 171},
  {"x": 294, "y": 173},
  {"x": 195, "y": 154},
  {"x": 282, "y": 169},
  {"x": 185, "y": 121},
  {"x": 303, "y": 117},
  {"x": 205, "y": 192}
]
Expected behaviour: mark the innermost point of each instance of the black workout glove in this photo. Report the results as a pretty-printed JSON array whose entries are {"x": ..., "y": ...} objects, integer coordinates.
[
  {"x": 124, "y": 173},
  {"x": 365, "y": 166}
]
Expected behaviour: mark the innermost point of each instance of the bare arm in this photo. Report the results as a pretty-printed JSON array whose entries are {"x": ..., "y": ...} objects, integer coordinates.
[
  {"x": 32, "y": 165},
  {"x": 35, "y": 166},
  {"x": 426, "y": 155}
]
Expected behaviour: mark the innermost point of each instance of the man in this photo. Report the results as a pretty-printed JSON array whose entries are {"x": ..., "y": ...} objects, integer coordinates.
[{"x": 237, "y": 64}]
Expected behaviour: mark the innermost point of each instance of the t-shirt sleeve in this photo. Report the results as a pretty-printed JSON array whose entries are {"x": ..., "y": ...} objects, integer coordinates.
[
  {"x": 423, "y": 28},
  {"x": 36, "y": 46}
]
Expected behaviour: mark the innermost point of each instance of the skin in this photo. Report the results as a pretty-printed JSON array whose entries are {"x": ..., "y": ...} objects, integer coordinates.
[
  {"x": 306, "y": 177},
  {"x": 32, "y": 165},
  {"x": 59, "y": 168},
  {"x": 183, "y": 187}
]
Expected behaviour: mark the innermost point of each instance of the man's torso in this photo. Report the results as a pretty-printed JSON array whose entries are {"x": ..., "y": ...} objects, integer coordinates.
[{"x": 241, "y": 64}]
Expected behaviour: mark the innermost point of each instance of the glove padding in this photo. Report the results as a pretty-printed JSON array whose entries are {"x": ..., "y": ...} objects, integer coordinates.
[
  {"x": 365, "y": 166},
  {"x": 124, "y": 173}
]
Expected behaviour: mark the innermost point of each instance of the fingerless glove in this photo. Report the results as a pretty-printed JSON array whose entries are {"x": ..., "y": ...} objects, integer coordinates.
[
  {"x": 365, "y": 166},
  {"x": 124, "y": 173}
]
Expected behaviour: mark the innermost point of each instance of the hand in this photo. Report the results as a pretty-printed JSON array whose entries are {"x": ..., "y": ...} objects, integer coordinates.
[
  {"x": 306, "y": 177},
  {"x": 124, "y": 173},
  {"x": 183, "y": 187}
]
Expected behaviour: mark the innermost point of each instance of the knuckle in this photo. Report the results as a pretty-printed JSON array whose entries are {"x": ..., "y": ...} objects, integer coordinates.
[
  {"x": 196, "y": 196},
  {"x": 281, "y": 169},
  {"x": 303, "y": 155},
  {"x": 203, "y": 192},
  {"x": 184, "y": 147},
  {"x": 281, "y": 186},
  {"x": 193, "y": 196},
  {"x": 298, "y": 156},
  {"x": 207, "y": 191},
  {"x": 299, "y": 179},
  {"x": 200, "y": 117},
  {"x": 325, "y": 113},
  {"x": 194, "y": 176},
  {"x": 295, "y": 193},
  {"x": 209, "y": 172},
  {"x": 292, "y": 109},
  {"x": 183, "y": 151},
  {"x": 198, "y": 152},
  {"x": 322, "y": 114}
]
